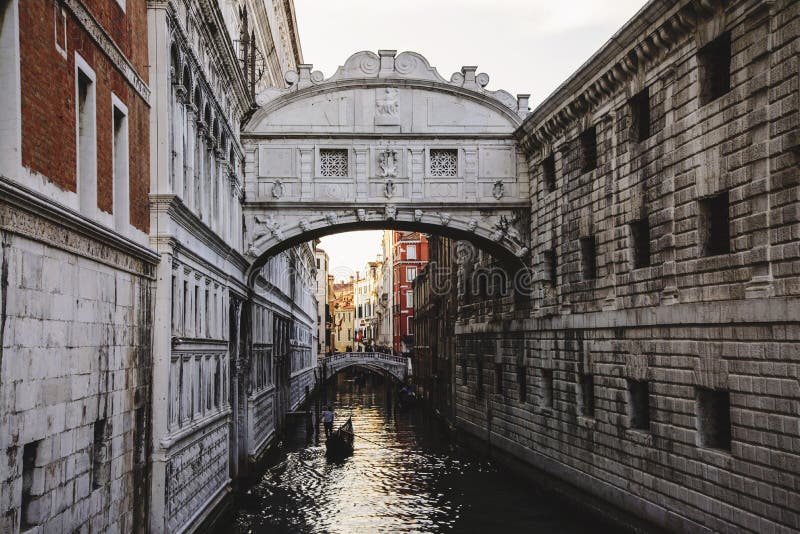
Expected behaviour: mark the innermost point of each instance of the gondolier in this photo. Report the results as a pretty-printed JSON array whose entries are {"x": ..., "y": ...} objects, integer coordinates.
[{"x": 327, "y": 420}]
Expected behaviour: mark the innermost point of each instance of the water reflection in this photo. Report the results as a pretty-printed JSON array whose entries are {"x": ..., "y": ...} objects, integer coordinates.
[{"x": 403, "y": 477}]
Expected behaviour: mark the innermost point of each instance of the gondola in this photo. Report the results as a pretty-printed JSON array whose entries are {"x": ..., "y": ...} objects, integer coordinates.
[{"x": 340, "y": 443}]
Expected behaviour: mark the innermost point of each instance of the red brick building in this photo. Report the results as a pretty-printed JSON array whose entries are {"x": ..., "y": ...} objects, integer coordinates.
[{"x": 409, "y": 256}]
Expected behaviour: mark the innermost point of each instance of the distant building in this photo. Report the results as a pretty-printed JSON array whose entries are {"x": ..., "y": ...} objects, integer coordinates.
[
  {"x": 323, "y": 307},
  {"x": 384, "y": 295},
  {"x": 365, "y": 301},
  {"x": 343, "y": 316},
  {"x": 409, "y": 256}
]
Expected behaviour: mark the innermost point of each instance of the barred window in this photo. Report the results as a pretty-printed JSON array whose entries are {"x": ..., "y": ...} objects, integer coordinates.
[
  {"x": 444, "y": 162},
  {"x": 333, "y": 162}
]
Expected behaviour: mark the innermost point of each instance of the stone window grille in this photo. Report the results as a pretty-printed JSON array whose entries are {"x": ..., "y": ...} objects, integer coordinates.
[
  {"x": 444, "y": 162},
  {"x": 714, "y": 225},
  {"x": 547, "y": 388},
  {"x": 589, "y": 257},
  {"x": 640, "y": 113},
  {"x": 549, "y": 173},
  {"x": 522, "y": 381},
  {"x": 639, "y": 400},
  {"x": 714, "y": 64},
  {"x": 588, "y": 144},
  {"x": 640, "y": 238},
  {"x": 586, "y": 394},
  {"x": 714, "y": 419},
  {"x": 333, "y": 162}
]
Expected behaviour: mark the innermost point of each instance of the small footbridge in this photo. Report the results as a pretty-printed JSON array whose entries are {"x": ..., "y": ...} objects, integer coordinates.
[{"x": 397, "y": 366}]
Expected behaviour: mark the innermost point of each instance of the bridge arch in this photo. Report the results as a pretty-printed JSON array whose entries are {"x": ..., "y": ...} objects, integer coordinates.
[
  {"x": 396, "y": 366},
  {"x": 385, "y": 143}
]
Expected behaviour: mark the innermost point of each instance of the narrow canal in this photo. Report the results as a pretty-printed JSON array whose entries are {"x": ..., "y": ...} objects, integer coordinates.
[{"x": 404, "y": 476}]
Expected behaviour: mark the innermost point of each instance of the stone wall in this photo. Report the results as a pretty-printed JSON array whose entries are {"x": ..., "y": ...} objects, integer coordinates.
[
  {"x": 74, "y": 373},
  {"x": 658, "y": 368}
]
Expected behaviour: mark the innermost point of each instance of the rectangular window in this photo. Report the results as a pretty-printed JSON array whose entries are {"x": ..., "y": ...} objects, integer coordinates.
[
  {"x": 409, "y": 299},
  {"x": 714, "y": 225},
  {"x": 101, "y": 467},
  {"x": 333, "y": 162},
  {"x": 586, "y": 394},
  {"x": 522, "y": 383},
  {"x": 207, "y": 314},
  {"x": 411, "y": 273},
  {"x": 197, "y": 311},
  {"x": 410, "y": 325},
  {"x": 714, "y": 64},
  {"x": 640, "y": 114},
  {"x": 30, "y": 514},
  {"x": 60, "y": 18},
  {"x": 640, "y": 237},
  {"x": 588, "y": 143},
  {"x": 549, "y": 173},
  {"x": 639, "y": 402},
  {"x": 547, "y": 388},
  {"x": 86, "y": 123},
  {"x": 120, "y": 156},
  {"x": 551, "y": 266},
  {"x": 588, "y": 258},
  {"x": 498, "y": 376},
  {"x": 411, "y": 252},
  {"x": 714, "y": 419},
  {"x": 444, "y": 162}
]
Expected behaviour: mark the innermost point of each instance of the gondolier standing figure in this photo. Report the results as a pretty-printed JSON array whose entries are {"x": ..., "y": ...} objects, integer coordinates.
[{"x": 327, "y": 420}]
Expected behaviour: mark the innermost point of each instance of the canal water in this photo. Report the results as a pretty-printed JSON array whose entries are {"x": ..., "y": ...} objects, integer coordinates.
[{"x": 405, "y": 476}]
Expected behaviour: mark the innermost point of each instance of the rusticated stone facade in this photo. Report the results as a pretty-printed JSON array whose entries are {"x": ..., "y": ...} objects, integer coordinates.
[{"x": 658, "y": 368}]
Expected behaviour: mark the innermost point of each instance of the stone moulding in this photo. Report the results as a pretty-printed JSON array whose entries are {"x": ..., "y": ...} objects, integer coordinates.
[
  {"x": 638, "y": 43},
  {"x": 26, "y": 213}
]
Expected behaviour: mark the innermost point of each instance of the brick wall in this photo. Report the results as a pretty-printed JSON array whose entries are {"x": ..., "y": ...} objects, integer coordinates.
[{"x": 48, "y": 99}]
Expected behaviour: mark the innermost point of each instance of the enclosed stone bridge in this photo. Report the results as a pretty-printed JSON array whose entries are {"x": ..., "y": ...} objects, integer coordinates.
[
  {"x": 385, "y": 143},
  {"x": 396, "y": 366}
]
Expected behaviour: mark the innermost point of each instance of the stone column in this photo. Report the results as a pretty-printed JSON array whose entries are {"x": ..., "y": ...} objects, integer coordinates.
[{"x": 188, "y": 172}]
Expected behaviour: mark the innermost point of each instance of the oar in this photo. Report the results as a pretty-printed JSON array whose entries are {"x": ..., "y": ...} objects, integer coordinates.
[{"x": 365, "y": 439}]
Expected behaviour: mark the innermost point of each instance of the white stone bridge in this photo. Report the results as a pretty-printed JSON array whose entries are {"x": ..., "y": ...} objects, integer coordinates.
[
  {"x": 397, "y": 366},
  {"x": 385, "y": 143}
]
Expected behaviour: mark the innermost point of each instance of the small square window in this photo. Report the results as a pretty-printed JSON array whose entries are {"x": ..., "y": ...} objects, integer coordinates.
[
  {"x": 714, "y": 225},
  {"x": 639, "y": 401},
  {"x": 549, "y": 173},
  {"x": 714, "y": 419},
  {"x": 588, "y": 143},
  {"x": 640, "y": 237},
  {"x": 586, "y": 394},
  {"x": 714, "y": 64},
  {"x": 333, "y": 162},
  {"x": 547, "y": 388},
  {"x": 640, "y": 113},
  {"x": 588, "y": 258},
  {"x": 444, "y": 162}
]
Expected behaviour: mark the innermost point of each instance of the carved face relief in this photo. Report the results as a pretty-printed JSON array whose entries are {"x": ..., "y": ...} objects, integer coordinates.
[
  {"x": 391, "y": 212},
  {"x": 361, "y": 214},
  {"x": 418, "y": 215},
  {"x": 331, "y": 217}
]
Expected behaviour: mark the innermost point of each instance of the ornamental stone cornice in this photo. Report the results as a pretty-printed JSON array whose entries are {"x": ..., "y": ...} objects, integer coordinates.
[
  {"x": 27, "y": 213},
  {"x": 656, "y": 29},
  {"x": 406, "y": 70}
]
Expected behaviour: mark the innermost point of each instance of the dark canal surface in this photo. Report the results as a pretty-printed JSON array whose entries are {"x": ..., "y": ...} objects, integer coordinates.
[{"x": 407, "y": 478}]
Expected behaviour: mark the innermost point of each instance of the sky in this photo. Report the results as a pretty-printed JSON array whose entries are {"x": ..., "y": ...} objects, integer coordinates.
[{"x": 525, "y": 46}]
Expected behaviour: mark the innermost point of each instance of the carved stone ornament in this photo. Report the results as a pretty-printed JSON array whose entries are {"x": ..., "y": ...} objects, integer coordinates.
[
  {"x": 361, "y": 214},
  {"x": 418, "y": 215},
  {"x": 473, "y": 224},
  {"x": 304, "y": 225},
  {"x": 271, "y": 226},
  {"x": 389, "y": 189},
  {"x": 387, "y": 161},
  {"x": 445, "y": 218},
  {"x": 391, "y": 213},
  {"x": 331, "y": 217},
  {"x": 387, "y": 107},
  {"x": 278, "y": 189},
  {"x": 498, "y": 190}
]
